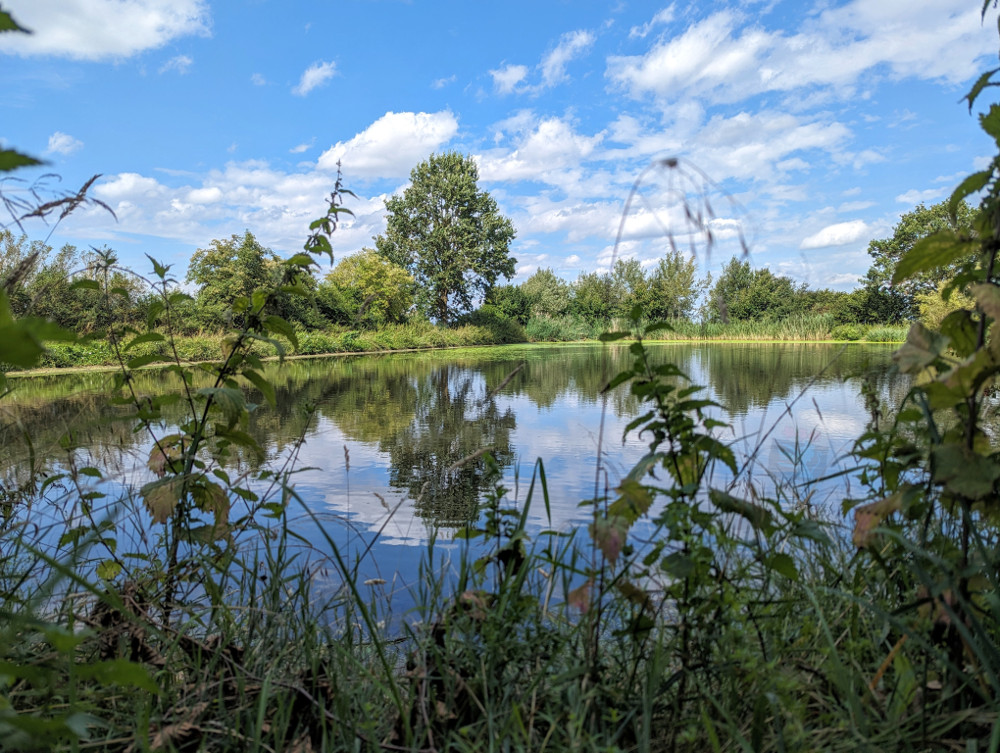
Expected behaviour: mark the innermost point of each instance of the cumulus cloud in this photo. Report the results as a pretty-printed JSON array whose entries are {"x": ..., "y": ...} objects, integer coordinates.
[
  {"x": 277, "y": 205},
  {"x": 180, "y": 63},
  {"x": 103, "y": 29},
  {"x": 392, "y": 145},
  {"x": 507, "y": 77},
  {"x": 314, "y": 76},
  {"x": 664, "y": 16},
  {"x": 549, "y": 147},
  {"x": 724, "y": 58},
  {"x": 571, "y": 45},
  {"x": 914, "y": 196},
  {"x": 839, "y": 234},
  {"x": 62, "y": 143}
]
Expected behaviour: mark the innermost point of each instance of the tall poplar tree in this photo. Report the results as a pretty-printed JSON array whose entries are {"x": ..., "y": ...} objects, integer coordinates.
[{"x": 450, "y": 236}]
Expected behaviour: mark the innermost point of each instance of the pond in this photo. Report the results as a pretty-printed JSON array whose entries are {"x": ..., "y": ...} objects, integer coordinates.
[{"x": 383, "y": 437}]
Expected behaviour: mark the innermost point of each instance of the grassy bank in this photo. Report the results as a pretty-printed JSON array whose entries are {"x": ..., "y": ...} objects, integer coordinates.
[{"x": 493, "y": 331}]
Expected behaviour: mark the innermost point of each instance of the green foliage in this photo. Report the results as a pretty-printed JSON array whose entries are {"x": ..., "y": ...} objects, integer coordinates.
[
  {"x": 225, "y": 271},
  {"x": 941, "y": 226},
  {"x": 743, "y": 294},
  {"x": 547, "y": 294},
  {"x": 674, "y": 288},
  {"x": 511, "y": 301},
  {"x": 449, "y": 234},
  {"x": 367, "y": 289}
]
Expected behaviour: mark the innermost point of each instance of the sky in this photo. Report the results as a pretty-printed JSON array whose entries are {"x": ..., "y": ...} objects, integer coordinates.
[{"x": 807, "y": 128}]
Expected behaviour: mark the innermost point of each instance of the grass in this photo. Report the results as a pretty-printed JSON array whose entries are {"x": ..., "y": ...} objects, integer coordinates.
[{"x": 424, "y": 335}]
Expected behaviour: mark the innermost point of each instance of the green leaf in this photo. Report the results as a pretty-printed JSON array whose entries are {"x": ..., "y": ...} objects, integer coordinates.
[
  {"x": 990, "y": 121},
  {"x": 265, "y": 387},
  {"x": 11, "y": 160},
  {"x": 634, "y": 502},
  {"x": 759, "y": 517},
  {"x": 933, "y": 252},
  {"x": 984, "y": 80},
  {"x": 149, "y": 337},
  {"x": 965, "y": 472},
  {"x": 608, "y": 337},
  {"x": 140, "y": 361},
  {"x": 84, "y": 283},
  {"x": 782, "y": 564},
  {"x": 7, "y": 23},
  {"x": 227, "y": 399},
  {"x": 108, "y": 570},
  {"x": 921, "y": 349},
  {"x": 658, "y": 327},
  {"x": 281, "y": 327},
  {"x": 119, "y": 672},
  {"x": 973, "y": 183}
]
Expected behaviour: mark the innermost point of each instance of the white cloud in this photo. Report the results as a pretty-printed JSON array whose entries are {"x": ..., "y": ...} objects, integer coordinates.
[
  {"x": 103, "y": 29},
  {"x": 392, "y": 145},
  {"x": 315, "y": 75},
  {"x": 441, "y": 83},
  {"x": 205, "y": 195},
  {"x": 914, "y": 196},
  {"x": 300, "y": 148},
  {"x": 180, "y": 63},
  {"x": 62, "y": 143},
  {"x": 543, "y": 152},
  {"x": 570, "y": 46},
  {"x": 258, "y": 79},
  {"x": 127, "y": 186},
  {"x": 506, "y": 78},
  {"x": 855, "y": 206},
  {"x": 725, "y": 59},
  {"x": 664, "y": 16},
  {"x": 839, "y": 234}
]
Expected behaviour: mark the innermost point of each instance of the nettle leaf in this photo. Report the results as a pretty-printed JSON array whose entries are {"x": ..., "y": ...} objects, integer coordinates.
[
  {"x": 962, "y": 330},
  {"x": 108, "y": 570},
  {"x": 869, "y": 517},
  {"x": 608, "y": 337},
  {"x": 265, "y": 387},
  {"x": 964, "y": 472},
  {"x": 933, "y": 252},
  {"x": 162, "y": 497},
  {"x": 280, "y": 326},
  {"x": 634, "y": 502},
  {"x": 11, "y": 159},
  {"x": 759, "y": 517},
  {"x": 610, "y": 534},
  {"x": 119, "y": 672},
  {"x": 782, "y": 564},
  {"x": 148, "y": 337},
  {"x": 580, "y": 597},
  {"x": 972, "y": 184},
  {"x": 165, "y": 453},
  {"x": 990, "y": 122},
  {"x": 229, "y": 400},
  {"x": 922, "y": 348},
  {"x": 966, "y": 378}
]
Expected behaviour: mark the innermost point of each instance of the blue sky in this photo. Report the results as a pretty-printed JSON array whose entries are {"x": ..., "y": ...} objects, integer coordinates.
[{"x": 818, "y": 123}]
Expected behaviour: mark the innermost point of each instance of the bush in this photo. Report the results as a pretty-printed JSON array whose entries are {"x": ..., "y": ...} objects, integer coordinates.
[{"x": 850, "y": 332}]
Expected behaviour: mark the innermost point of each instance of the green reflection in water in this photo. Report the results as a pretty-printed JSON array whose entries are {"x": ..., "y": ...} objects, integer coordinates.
[{"x": 425, "y": 412}]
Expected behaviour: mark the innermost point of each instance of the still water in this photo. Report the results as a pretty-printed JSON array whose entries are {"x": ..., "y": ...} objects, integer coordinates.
[{"x": 382, "y": 436}]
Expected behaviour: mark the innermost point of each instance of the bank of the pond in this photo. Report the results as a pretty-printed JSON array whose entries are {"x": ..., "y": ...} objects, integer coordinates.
[{"x": 98, "y": 354}]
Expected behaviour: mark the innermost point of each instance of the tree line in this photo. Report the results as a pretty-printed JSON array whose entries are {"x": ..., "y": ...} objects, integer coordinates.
[{"x": 443, "y": 255}]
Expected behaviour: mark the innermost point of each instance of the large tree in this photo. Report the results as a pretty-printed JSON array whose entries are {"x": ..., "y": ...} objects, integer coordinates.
[
  {"x": 886, "y": 253},
  {"x": 373, "y": 290},
  {"x": 674, "y": 287},
  {"x": 449, "y": 235},
  {"x": 226, "y": 270}
]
